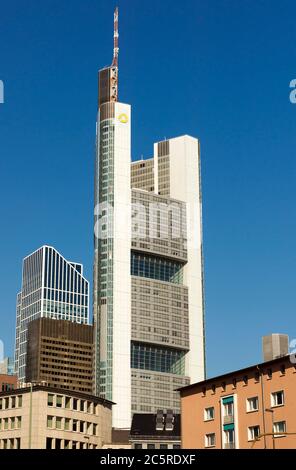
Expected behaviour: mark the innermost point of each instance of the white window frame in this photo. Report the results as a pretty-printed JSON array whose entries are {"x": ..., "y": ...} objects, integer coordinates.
[
  {"x": 249, "y": 410},
  {"x": 206, "y": 418},
  {"x": 207, "y": 439},
  {"x": 274, "y": 428},
  {"x": 251, "y": 433},
  {"x": 273, "y": 395}
]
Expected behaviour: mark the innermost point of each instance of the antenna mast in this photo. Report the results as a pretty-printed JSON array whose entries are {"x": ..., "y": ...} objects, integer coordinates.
[{"x": 115, "y": 37}]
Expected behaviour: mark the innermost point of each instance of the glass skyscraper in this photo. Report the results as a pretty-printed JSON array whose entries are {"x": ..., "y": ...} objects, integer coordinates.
[
  {"x": 148, "y": 266},
  {"x": 52, "y": 287}
]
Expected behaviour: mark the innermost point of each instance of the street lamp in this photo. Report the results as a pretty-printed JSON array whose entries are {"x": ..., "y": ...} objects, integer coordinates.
[{"x": 270, "y": 410}]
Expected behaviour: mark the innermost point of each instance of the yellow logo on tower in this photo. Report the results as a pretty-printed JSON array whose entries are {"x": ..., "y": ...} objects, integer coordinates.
[{"x": 123, "y": 118}]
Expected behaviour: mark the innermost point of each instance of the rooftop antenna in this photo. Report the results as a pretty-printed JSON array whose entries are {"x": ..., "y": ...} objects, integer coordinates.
[{"x": 115, "y": 38}]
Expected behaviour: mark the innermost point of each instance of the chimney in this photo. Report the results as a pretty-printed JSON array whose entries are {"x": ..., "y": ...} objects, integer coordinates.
[{"x": 274, "y": 346}]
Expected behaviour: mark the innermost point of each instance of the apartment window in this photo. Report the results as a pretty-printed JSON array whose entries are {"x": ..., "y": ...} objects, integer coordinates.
[
  {"x": 279, "y": 427},
  {"x": 209, "y": 413},
  {"x": 58, "y": 423},
  {"x": 229, "y": 438},
  {"x": 138, "y": 446},
  {"x": 81, "y": 426},
  {"x": 6, "y": 403},
  {"x": 13, "y": 402},
  {"x": 75, "y": 404},
  {"x": 253, "y": 432},
  {"x": 59, "y": 401},
  {"x": 95, "y": 429},
  {"x": 67, "y": 424},
  {"x": 81, "y": 405},
  {"x": 210, "y": 440},
  {"x": 49, "y": 421},
  {"x": 163, "y": 446},
  {"x": 151, "y": 446},
  {"x": 277, "y": 398},
  {"x": 18, "y": 443},
  {"x": 176, "y": 446},
  {"x": 1, "y": 403},
  {"x": 5, "y": 423},
  {"x": 252, "y": 404},
  {"x": 67, "y": 444},
  {"x": 74, "y": 425},
  {"x": 19, "y": 422},
  {"x": 50, "y": 399},
  {"x": 12, "y": 423},
  {"x": 228, "y": 409},
  {"x": 20, "y": 401}
]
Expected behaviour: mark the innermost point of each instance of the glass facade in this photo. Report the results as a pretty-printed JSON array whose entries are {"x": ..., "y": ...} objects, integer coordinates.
[
  {"x": 52, "y": 287},
  {"x": 157, "y": 358},
  {"x": 155, "y": 267}
]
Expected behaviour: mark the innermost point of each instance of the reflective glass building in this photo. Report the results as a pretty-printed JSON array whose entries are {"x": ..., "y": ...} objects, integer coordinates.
[{"x": 52, "y": 287}]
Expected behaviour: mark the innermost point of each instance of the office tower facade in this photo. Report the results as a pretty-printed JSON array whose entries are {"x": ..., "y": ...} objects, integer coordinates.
[
  {"x": 60, "y": 353},
  {"x": 7, "y": 366},
  {"x": 148, "y": 270},
  {"x": 52, "y": 287}
]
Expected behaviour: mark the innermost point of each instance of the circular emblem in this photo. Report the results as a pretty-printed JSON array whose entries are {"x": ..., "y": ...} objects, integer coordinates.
[{"x": 123, "y": 118}]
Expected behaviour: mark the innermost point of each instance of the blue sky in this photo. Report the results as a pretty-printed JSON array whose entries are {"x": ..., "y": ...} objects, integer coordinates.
[{"x": 218, "y": 70}]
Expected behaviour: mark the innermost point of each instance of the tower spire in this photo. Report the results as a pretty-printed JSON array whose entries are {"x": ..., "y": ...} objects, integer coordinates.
[{"x": 115, "y": 38}]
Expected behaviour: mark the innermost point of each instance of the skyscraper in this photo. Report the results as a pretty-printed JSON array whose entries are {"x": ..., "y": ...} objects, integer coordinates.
[
  {"x": 52, "y": 287},
  {"x": 148, "y": 269}
]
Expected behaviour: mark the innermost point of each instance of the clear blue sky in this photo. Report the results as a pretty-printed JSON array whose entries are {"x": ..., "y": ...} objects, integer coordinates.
[{"x": 218, "y": 70}]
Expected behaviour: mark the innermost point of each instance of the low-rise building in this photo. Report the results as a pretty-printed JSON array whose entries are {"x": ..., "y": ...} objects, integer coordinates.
[
  {"x": 249, "y": 408},
  {"x": 7, "y": 382},
  {"x": 156, "y": 431},
  {"x": 40, "y": 417}
]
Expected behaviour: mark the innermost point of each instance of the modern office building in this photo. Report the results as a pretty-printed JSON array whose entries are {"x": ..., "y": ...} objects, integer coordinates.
[
  {"x": 41, "y": 417},
  {"x": 52, "y": 287},
  {"x": 148, "y": 269},
  {"x": 251, "y": 408},
  {"x": 7, "y": 366},
  {"x": 60, "y": 353}
]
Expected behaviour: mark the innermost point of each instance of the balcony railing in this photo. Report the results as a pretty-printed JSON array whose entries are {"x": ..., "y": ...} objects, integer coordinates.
[
  {"x": 229, "y": 445},
  {"x": 228, "y": 419}
]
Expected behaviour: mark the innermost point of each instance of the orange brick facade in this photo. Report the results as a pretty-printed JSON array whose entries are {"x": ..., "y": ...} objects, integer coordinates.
[{"x": 230, "y": 411}]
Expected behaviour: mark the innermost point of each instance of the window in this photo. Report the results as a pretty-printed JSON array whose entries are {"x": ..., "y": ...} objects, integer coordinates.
[
  {"x": 151, "y": 446},
  {"x": 49, "y": 421},
  {"x": 277, "y": 398},
  {"x": 49, "y": 399},
  {"x": 253, "y": 432},
  {"x": 67, "y": 444},
  {"x": 1, "y": 403},
  {"x": 74, "y": 425},
  {"x": 12, "y": 423},
  {"x": 210, "y": 440},
  {"x": 95, "y": 429},
  {"x": 279, "y": 427},
  {"x": 252, "y": 404},
  {"x": 19, "y": 422},
  {"x": 67, "y": 424},
  {"x": 81, "y": 405},
  {"x": 209, "y": 413},
  {"x": 58, "y": 423},
  {"x": 229, "y": 438},
  {"x": 81, "y": 426},
  {"x": 5, "y": 423},
  {"x": 20, "y": 401},
  {"x": 59, "y": 401},
  {"x": 13, "y": 400},
  {"x": 228, "y": 409},
  {"x": 75, "y": 404},
  {"x": 67, "y": 402},
  {"x": 138, "y": 446},
  {"x": 163, "y": 446},
  {"x": 176, "y": 446}
]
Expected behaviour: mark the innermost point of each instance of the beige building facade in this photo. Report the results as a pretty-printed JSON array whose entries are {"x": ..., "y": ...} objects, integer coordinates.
[
  {"x": 252, "y": 408},
  {"x": 41, "y": 417}
]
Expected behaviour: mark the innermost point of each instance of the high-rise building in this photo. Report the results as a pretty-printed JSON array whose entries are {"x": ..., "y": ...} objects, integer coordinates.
[
  {"x": 148, "y": 269},
  {"x": 60, "y": 353},
  {"x": 52, "y": 287},
  {"x": 7, "y": 366}
]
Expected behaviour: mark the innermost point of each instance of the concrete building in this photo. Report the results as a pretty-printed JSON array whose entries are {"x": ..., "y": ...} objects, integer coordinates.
[
  {"x": 156, "y": 431},
  {"x": 148, "y": 267},
  {"x": 244, "y": 409},
  {"x": 48, "y": 418},
  {"x": 60, "y": 353},
  {"x": 52, "y": 287},
  {"x": 274, "y": 346},
  {"x": 7, "y": 382}
]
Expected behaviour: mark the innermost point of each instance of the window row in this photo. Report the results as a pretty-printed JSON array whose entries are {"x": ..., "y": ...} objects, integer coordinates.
[{"x": 73, "y": 425}]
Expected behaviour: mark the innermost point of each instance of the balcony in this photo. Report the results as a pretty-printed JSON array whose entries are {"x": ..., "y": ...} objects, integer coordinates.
[
  {"x": 228, "y": 419},
  {"x": 229, "y": 445}
]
